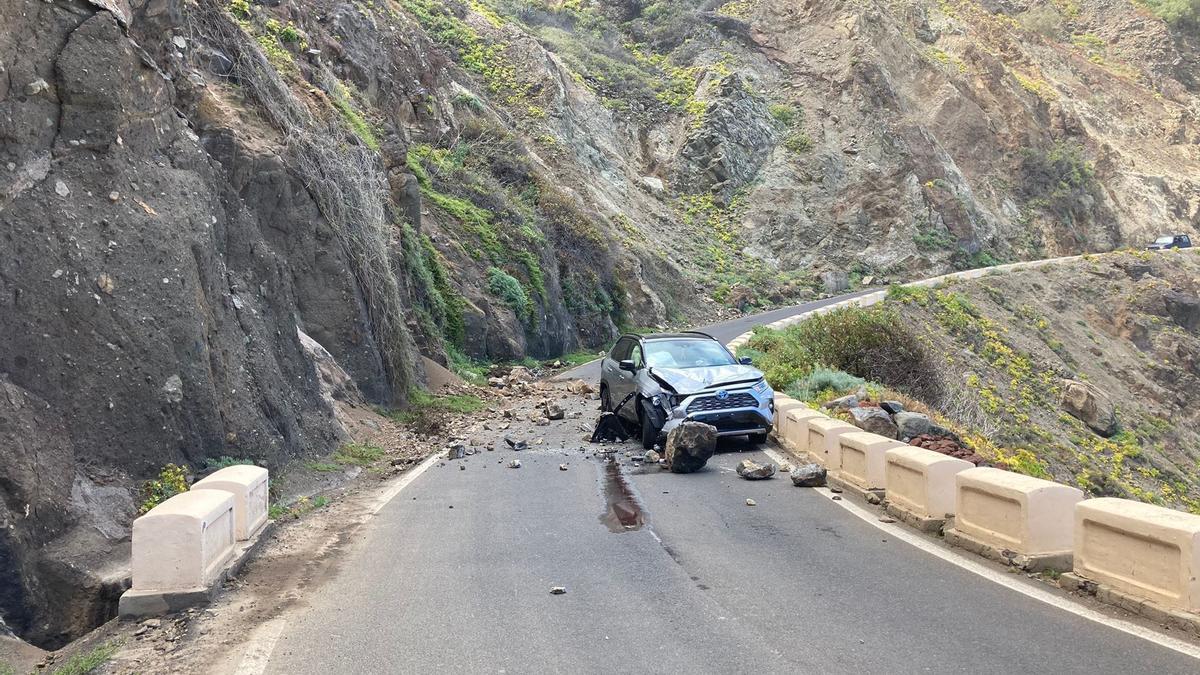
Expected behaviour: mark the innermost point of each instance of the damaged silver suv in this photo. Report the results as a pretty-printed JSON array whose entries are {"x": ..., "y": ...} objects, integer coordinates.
[{"x": 657, "y": 381}]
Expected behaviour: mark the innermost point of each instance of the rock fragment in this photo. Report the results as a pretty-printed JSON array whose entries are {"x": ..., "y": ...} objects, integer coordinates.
[
  {"x": 751, "y": 470},
  {"x": 808, "y": 475}
]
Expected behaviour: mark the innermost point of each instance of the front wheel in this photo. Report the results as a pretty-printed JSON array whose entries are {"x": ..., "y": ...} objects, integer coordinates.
[
  {"x": 605, "y": 400},
  {"x": 649, "y": 430}
]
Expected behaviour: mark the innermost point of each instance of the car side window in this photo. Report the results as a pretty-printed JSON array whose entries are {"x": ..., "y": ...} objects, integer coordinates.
[
  {"x": 636, "y": 357},
  {"x": 620, "y": 351}
]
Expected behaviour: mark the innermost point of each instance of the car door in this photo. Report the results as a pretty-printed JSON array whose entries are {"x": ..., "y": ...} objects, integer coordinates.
[
  {"x": 629, "y": 410},
  {"x": 611, "y": 375}
]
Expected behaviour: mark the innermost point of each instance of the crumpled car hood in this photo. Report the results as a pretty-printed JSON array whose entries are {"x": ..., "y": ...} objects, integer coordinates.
[{"x": 689, "y": 380}]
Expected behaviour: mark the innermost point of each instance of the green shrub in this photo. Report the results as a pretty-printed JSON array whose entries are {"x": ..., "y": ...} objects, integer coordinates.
[
  {"x": 869, "y": 343},
  {"x": 171, "y": 481},
  {"x": 1174, "y": 12},
  {"x": 823, "y": 381},
  {"x": 506, "y": 287}
]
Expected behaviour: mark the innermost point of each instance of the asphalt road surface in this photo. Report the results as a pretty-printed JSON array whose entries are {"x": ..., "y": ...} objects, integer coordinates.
[
  {"x": 724, "y": 331},
  {"x": 454, "y": 575}
]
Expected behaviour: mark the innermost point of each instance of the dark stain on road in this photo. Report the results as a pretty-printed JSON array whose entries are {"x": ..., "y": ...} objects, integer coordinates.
[{"x": 624, "y": 511}]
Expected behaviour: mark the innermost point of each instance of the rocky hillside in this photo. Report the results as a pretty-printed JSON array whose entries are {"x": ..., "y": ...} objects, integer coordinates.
[
  {"x": 200, "y": 197},
  {"x": 1086, "y": 372}
]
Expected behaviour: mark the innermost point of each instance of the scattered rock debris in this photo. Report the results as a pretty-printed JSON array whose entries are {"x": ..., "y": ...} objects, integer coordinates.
[
  {"x": 751, "y": 502},
  {"x": 751, "y": 470},
  {"x": 558, "y": 590},
  {"x": 514, "y": 464}
]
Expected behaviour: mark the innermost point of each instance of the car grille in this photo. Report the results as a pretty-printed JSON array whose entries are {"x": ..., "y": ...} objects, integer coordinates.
[{"x": 741, "y": 400}]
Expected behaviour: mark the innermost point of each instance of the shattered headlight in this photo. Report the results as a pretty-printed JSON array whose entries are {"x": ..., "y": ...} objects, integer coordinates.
[{"x": 761, "y": 387}]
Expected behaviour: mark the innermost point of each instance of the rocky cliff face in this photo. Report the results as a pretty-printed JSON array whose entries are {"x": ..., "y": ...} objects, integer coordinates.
[{"x": 191, "y": 188}]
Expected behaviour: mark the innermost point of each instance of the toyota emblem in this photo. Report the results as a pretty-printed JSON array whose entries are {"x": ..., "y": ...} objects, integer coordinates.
[{"x": 722, "y": 394}]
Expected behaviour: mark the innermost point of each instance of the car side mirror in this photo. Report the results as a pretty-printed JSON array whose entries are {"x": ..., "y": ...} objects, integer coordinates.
[
  {"x": 746, "y": 361},
  {"x": 627, "y": 365}
]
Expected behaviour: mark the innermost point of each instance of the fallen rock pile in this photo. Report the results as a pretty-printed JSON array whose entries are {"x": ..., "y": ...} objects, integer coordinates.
[{"x": 947, "y": 445}]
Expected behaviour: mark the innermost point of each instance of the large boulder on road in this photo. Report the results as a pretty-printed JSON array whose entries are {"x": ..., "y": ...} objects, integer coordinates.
[
  {"x": 752, "y": 470},
  {"x": 690, "y": 445},
  {"x": 809, "y": 475},
  {"x": 1087, "y": 403},
  {"x": 874, "y": 420}
]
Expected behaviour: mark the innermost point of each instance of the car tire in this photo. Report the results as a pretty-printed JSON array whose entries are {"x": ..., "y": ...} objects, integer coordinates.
[
  {"x": 757, "y": 439},
  {"x": 605, "y": 401},
  {"x": 649, "y": 431}
]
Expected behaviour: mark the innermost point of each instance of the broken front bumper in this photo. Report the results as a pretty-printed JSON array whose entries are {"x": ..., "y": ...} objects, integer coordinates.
[{"x": 734, "y": 412}]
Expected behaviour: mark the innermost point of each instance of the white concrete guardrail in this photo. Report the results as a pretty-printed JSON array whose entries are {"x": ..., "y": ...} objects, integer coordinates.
[
  {"x": 920, "y": 485},
  {"x": 1139, "y": 556},
  {"x": 862, "y": 462},
  {"x": 1140, "y": 550},
  {"x": 824, "y": 440},
  {"x": 1026, "y": 521},
  {"x": 184, "y": 547}
]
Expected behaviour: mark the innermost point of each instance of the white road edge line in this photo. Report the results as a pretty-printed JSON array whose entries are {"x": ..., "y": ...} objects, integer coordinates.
[
  {"x": 262, "y": 645},
  {"x": 897, "y": 531},
  {"x": 258, "y": 652},
  {"x": 404, "y": 482}
]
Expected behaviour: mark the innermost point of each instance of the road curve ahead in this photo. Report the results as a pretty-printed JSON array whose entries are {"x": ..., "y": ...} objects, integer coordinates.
[
  {"x": 454, "y": 575},
  {"x": 724, "y": 331}
]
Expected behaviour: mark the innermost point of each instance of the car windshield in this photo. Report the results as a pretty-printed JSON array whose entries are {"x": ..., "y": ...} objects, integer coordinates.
[
  {"x": 1164, "y": 240},
  {"x": 686, "y": 354}
]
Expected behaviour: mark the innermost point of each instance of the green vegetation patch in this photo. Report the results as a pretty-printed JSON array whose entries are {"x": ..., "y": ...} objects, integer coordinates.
[
  {"x": 1175, "y": 12},
  {"x": 425, "y": 411},
  {"x": 297, "y": 508},
  {"x": 171, "y": 480},
  {"x": 868, "y": 343},
  {"x": 358, "y": 454},
  {"x": 87, "y": 662}
]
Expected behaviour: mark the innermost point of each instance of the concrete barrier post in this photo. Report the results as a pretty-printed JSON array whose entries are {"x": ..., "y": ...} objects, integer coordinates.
[
  {"x": 823, "y": 435},
  {"x": 863, "y": 461},
  {"x": 782, "y": 405},
  {"x": 179, "y": 550},
  {"x": 1140, "y": 550},
  {"x": 921, "y": 485},
  {"x": 1021, "y": 520},
  {"x": 248, "y": 484},
  {"x": 795, "y": 429}
]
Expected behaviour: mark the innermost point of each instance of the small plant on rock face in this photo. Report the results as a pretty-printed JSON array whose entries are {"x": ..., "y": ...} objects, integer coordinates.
[
  {"x": 171, "y": 481},
  {"x": 783, "y": 113},
  {"x": 506, "y": 287},
  {"x": 798, "y": 142}
]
